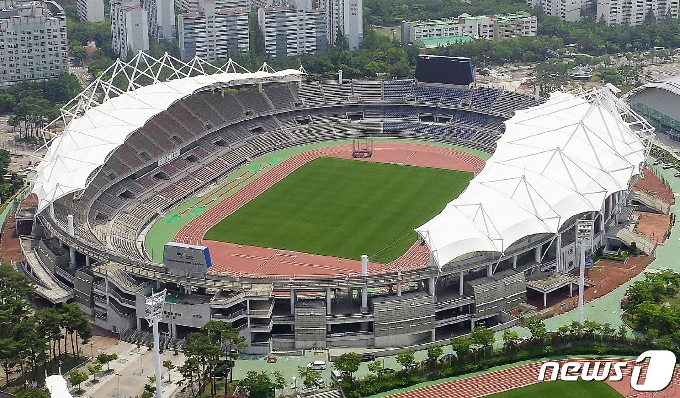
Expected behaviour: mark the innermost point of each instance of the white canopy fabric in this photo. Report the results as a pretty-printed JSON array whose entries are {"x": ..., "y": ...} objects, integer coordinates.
[
  {"x": 56, "y": 385},
  {"x": 88, "y": 140},
  {"x": 554, "y": 161}
]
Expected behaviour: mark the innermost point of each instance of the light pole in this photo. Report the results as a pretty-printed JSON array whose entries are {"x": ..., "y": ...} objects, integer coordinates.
[
  {"x": 91, "y": 352},
  {"x": 154, "y": 314},
  {"x": 118, "y": 390},
  {"x": 584, "y": 236}
]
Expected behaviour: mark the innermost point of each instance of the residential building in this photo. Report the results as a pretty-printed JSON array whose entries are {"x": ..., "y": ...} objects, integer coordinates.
[
  {"x": 292, "y": 30},
  {"x": 161, "y": 22},
  {"x": 346, "y": 17},
  {"x": 129, "y": 28},
  {"x": 489, "y": 27},
  {"x": 635, "y": 12},
  {"x": 192, "y": 5},
  {"x": 212, "y": 33},
  {"x": 33, "y": 42},
  {"x": 90, "y": 10},
  {"x": 567, "y": 10}
]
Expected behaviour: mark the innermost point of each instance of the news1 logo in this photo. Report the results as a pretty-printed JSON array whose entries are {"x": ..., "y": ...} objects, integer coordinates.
[{"x": 659, "y": 371}]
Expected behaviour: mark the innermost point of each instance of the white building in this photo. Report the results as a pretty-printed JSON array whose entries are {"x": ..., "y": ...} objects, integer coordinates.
[
  {"x": 90, "y": 10},
  {"x": 567, "y": 10},
  {"x": 192, "y": 5},
  {"x": 292, "y": 30},
  {"x": 33, "y": 42},
  {"x": 635, "y": 12},
  {"x": 346, "y": 16},
  {"x": 129, "y": 28},
  {"x": 212, "y": 33},
  {"x": 489, "y": 27},
  {"x": 161, "y": 19}
]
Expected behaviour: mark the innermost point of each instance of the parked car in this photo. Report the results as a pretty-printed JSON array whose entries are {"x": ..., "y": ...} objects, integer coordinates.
[
  {"x": 317, "y": 365},
  {"x": 367, "y": 358},
  {"x": 320, "y": 382},
  {"x": 385, "y": 371}
]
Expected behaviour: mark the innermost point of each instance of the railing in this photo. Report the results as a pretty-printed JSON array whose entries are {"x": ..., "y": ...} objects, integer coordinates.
[
  {"x": 229, "y": 316},
  {"x": 119, "y": 312},
  {"x": 121, "y": 299},
  {"x": 64, "y": 274},
  {"x": 454, "y": 302},
  {"x": 260, "y": 312}
]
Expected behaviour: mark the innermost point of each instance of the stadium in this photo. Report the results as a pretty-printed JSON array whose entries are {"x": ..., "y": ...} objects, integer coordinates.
[
  {"x": 656, "y": 101},
  {"x": 199, "y": 180}
]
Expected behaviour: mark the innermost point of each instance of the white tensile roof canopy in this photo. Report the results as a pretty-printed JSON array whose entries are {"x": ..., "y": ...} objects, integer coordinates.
[
  {"x": 555, "y": 161},
  {"x": 102, "y": 117}
]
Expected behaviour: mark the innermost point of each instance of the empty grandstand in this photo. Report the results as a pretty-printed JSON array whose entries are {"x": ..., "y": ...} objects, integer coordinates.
[{"x": 129, "y": 155}]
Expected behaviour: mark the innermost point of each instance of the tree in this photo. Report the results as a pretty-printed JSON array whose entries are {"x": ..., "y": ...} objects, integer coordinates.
[
  {"x": 190, "y": 370},
  {"x": 260, "y": 384},
  {"x": 94, "y": 368},
  {"x": 105, "y": 358},
  {"x": 460, "y": 345},
  {"x": 406, "y": 358},
  {"x": 537, "y": 329},
  {"x": 169, "y": 366},
  {"x": 348, "y": 363},
  {"x": 308, "y": 375},
  {"x": 482, "y": 337},
  {"x": 510, "y": 339},
  {"x": 76, "y": 377},
  {"x": 375, "y": 367},
  {"x": 434, "y": 352}
]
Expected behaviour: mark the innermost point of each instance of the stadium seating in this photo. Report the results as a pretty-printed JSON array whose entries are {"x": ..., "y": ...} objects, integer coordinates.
[{"x": 218, "y": 132}]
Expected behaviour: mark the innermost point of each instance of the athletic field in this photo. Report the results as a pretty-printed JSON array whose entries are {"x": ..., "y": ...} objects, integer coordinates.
[
  {"x": 562, "y": 389},
  {"x": 343, "y": 208}
]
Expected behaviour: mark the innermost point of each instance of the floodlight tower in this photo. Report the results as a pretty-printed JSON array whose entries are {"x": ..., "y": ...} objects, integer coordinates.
[
  {"x": 154, "y": 313},
  {"x": 584, "y": 237}
]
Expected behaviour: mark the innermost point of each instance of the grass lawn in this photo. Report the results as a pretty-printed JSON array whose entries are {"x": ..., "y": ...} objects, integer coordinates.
[
  {"x": 562, "y": 389},
  {"x": 344, "y": 208}
]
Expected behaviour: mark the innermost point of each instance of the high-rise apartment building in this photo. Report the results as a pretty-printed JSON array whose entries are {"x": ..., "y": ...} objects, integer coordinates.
[
  {"x": 634, "y": 12},
  {"x": 192, "y": 5},
  {"x": 212, "y": 33},
  {"x": 90, "y": 10},
  {"x": 567, "y": 10},
  {"x": 161, "y": 22},
  {"x": 33, "y": 42},
  {"x": 344, "y": 17},
  {"x": 129, "y": 27},
  {"x": 293, "y": 30}
]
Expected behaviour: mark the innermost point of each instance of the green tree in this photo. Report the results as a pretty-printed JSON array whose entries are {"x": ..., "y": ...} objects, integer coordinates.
[
  {"x": 537, "y": 329},
  {"x": 375, "y": 367},
  {"x": 259, "y": 384},
  {"x": 308, "y": 375},
  {"x": 94, "y": 368},
  {"x": 32, "y": 393},
  {"x": 460, "y": 345},
  {"x": 348, "y": 363},
  {"x": 106, "y": 359},
  {"x": 167, "y": 364},
  {"x": 77, "y": 377},
  {"x": 406, "y": 358},
  {"x": 433, "y": 353},
  {"x": 510, "y": 339},
  {"x": 482, "y": 338}
]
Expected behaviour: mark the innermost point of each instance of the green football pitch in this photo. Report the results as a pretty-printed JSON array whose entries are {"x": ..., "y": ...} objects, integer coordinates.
[
  {"x": 344, "y": 208},
  {"x": 562, "y": 389}
]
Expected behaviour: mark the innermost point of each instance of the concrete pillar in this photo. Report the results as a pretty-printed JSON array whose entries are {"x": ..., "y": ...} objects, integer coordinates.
[
  {"x": 139, "y": 323},
  {"x": 292, "y": 301},
  {"x": 248, "y": 318},
  {"x": 558, "y": 251},
  {"x": 609, "y": 205},
  {"x": 52, "y": 209},
  {"x": 328, "y": 301},
  {"x": 340, "y": 76},
  {"x": 399, "y": 289},
  {"x": 248, "y": 306},
  {"x": 433, "y": 284},
  {"x": 537, "y": 256},
  {"x": 602, "y": 227},
  {"x": 571, "y": 289},
  {"x": 514, "y": 261},
  {"x": 173, "y": 329},
  {"x": 106, "y": 288},
  {"x": 434, "y": 336},
  {"x": 364, "y": 265},
  {"x": 460, "y": 284},
  {"x": 87, "y": 260},
  {"x": 545, "y": 300},
  {"x": 364, "y": 298},
  {"x": 489, "y": 270}
]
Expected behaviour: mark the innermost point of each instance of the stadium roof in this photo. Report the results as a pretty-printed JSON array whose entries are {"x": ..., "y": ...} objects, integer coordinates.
[
  {"x": 555, "y": 161},
  {"x": 94, "y": 130}
]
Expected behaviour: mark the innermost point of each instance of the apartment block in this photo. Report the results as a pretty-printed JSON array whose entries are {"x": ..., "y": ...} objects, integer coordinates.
[
  {"x": 212, "y": 33},
  {"x": 129, "y": 28},
  {"x": 293, "y": 30},
  {"x": 90, "y": 10},
  {"x": 33, "y": 42},
  {"x": 634, "y": 12}
]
